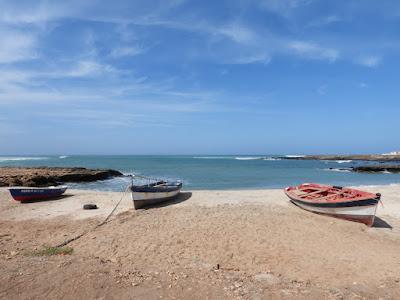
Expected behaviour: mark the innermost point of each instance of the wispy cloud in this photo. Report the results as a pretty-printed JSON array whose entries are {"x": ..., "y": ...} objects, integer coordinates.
[
  {"x": 370, "y": 61},
  {"x": 17, "y": 46},
  {"x": 238, "y": 33},
  {"x": 86, "y": 69},
  {"x": 313, "y": 51},
  {"x": 283, "y": 7},
  {"x": 324, "y": 21},
  {"x": 126, "y": 51},
  {"x": 32, "y": 13},
  {"x": 263, "y": 58}
]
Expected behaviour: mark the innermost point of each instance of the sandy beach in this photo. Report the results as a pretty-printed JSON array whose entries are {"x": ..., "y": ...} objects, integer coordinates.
[{"x": 248, "y": 244}]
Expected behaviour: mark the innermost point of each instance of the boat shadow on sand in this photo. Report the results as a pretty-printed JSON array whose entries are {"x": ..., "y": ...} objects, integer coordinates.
[
  {"x": 380, "y": 223},
  {"x": 47, "y": 200},
  {"x": 181, "y": 197}
]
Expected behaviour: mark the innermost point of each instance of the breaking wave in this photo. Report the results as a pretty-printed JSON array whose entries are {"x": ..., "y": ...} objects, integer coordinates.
[
  {"x": 239, "y": 157},
  {"x": 249, "y": 158},
  {"x": 63, "y": 156},
  {"x": 271, "y": 158},
  {"x": 338, "y": 170},
  {"x": 343, "y": 161},
  {"x": 213, "y": 157},
  {"x": 18, "y": 158}
]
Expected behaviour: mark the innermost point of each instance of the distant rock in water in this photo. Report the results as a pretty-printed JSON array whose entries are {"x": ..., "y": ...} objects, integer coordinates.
[
  {"x": 346, "y": 158},
  {"x": 45, "y": 176},
  {"x": 378, "y": 169}
]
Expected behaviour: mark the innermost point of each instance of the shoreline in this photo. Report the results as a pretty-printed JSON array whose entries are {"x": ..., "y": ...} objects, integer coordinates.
[
  {"x": 71, "y": 203},
  {"x": 218, "y": 244}
]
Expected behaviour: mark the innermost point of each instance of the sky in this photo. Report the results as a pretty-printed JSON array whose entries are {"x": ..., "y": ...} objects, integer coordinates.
[{"x": 199, "y": 77}]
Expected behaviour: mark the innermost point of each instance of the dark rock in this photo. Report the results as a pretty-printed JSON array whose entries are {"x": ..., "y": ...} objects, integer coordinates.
[
  {"x": 378, "y": 168},
  {"x": 45, "y": 176},
  {"x": 366, "y": 157}
]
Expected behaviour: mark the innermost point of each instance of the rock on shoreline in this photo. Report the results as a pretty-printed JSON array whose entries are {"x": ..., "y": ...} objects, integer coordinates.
[
  {"x": 378, "y": 168},
  {"x": 44, "y": 176},
  {"x": 366, "y": 157}
]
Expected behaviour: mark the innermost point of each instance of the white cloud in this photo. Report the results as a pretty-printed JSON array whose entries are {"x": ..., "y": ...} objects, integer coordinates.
[
  {"x": 370, "y": 61},
  {"x": 86, "y": 69},
  {"x": 238, "y": 33},
  {"x": 362, "y": 85},
  {"x": 324, "y": 21},
  {"x": 313, "y": 51},
  {"x": 34, "y": 12},
  {"x": 263, "y": 58},
  {"x": 282, "y": 7},
  {"x": 125, "y": 51},
  {"x": 17, "y": 46}
]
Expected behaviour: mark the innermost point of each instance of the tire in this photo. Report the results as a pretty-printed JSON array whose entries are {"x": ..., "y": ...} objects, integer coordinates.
[{"x": 90, "y": 206}]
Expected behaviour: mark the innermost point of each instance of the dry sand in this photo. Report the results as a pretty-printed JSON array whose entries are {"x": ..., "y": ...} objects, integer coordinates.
[{"x": 208, "y": 244}]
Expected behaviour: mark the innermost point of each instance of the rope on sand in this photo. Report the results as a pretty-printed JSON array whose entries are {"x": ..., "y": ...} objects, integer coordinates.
[{"x": 98, "y": 225}]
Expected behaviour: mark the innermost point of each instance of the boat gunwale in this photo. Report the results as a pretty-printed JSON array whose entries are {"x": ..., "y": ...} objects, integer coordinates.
[
  {"x": 155, "y": 189},
  {"x": 50, "y": 188},
  {"x": 360, "y": 202}
]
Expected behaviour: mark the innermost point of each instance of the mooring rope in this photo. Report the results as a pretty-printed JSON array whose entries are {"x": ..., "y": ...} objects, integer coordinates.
[
  {"x": 98, "y": 225},
  {"x": 144, "y": 177},
  {"x": 110, "y": 214}
]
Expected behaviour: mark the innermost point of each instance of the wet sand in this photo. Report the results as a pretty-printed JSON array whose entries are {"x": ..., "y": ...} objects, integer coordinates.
[{"x": 248, "y": 244}]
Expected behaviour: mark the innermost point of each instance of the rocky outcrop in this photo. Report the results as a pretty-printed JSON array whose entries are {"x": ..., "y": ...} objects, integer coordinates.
[
  {"x": 378, "y": 168},
  {"x": 45, "y": 176},
  {"x": 366, "y": 157}
]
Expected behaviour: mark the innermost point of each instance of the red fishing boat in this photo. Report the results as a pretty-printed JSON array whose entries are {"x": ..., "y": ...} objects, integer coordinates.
[{"x": 345, "y": 203}]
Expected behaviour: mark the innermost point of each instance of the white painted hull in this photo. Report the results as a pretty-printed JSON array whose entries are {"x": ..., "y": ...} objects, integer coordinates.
[
  {"x": 358, "y": 210},
  {"x": 363, "y": 214},
  {"x": 142, "y": 199},
  {"x": 148, "y": 195}
]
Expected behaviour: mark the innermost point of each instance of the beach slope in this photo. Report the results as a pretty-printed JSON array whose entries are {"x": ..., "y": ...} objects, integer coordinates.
[{"x": 207, "y": 244}]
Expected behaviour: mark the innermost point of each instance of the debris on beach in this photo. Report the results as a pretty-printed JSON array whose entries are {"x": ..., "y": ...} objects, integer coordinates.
[{"x": 90, "y": 206}]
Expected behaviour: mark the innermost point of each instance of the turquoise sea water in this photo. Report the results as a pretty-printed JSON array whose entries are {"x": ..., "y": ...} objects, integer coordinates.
[{"x": 211, "y": 172}]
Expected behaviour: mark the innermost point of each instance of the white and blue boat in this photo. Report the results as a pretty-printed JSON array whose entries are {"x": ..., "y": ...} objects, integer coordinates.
[
  {"x": 28, "y": 194},
  {"x": 154, "y": 193}
]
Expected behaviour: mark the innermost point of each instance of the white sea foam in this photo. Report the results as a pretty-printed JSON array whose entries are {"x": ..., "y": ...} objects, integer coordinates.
[
  {"x": 338, "y": 170},
  {"x": 271, "y": 158},
  {"x": 213, "y": 157},
  {"x": 18, "y": 158},
  {"x": 249, "y": 158},
  {"x": 386, "y": 172},
  {"x": 295, "y": 156},
  {"x": 343, "y": 161},
  {"x": 63, "y": 156}
]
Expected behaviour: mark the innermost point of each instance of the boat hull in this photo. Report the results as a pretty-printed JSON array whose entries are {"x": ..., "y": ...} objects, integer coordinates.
[
  {"x": 36, "y": 194},
  {"x": 143, "y": 199},
  {"x": 357, "y": 212},
  {"x": 147, "y": 195}
]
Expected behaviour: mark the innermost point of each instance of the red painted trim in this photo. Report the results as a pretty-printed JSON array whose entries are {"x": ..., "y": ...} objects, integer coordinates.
[{"x": 36, "y": 197}]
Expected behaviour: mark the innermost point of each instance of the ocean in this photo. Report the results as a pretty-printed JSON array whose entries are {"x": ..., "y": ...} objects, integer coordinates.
[{"x": 211, "y": 172}]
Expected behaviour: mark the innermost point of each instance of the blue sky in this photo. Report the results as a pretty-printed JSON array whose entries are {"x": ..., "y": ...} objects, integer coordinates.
[{"x": 194, "y": 77}]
